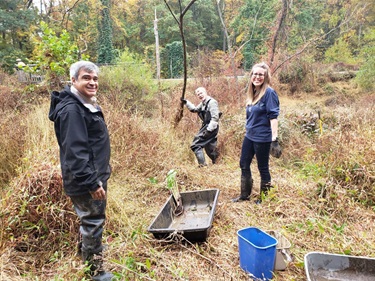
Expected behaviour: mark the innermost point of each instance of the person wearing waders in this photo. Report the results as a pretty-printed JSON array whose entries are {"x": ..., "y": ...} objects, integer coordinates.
[
  {"x": 206, "y": 138},
  {"x": 262, "y": 110},
  {"x": 84, "y": 143}
]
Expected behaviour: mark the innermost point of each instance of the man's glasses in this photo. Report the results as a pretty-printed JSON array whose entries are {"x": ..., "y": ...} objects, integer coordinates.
[{"x": 258, "y": 74}]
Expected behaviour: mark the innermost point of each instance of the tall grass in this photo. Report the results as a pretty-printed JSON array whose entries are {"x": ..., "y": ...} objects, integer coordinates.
[
  {"x": 322, "y": 200},
  {"x": 340, "y": 157},
  {"x": 38, "y": 218}
]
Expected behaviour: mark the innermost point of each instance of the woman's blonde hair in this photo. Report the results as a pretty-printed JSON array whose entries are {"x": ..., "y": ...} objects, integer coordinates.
[{"x": 252, "y": 96}]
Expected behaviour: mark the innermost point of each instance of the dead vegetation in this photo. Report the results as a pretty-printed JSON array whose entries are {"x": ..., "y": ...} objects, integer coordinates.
[{"x": 323, "y": 198}]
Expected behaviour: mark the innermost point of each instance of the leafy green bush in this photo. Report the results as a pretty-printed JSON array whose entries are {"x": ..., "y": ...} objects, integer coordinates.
[
  {"x": 130, "y": 82},
  {"x": 339, "y": 52},
  {"x": 54, "y": 54},
  {"x": 8, "y": 59},
  {"x": 173, "y": 60},
  {"x": 366, "y": 75}
]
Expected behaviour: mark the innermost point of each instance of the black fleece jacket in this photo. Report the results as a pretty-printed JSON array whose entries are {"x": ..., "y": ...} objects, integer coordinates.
[{"x": 83, "y": 138}]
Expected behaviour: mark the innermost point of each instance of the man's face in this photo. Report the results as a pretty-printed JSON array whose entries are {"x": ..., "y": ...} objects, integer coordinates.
[
  {"x": 201, "y": 95},
  {"x": 87, "y": 83}
]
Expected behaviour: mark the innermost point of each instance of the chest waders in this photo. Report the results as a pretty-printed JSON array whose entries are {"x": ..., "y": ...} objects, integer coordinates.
[
  {"x": 207, "y": 142},
  {"x": 92, "y": 217}
]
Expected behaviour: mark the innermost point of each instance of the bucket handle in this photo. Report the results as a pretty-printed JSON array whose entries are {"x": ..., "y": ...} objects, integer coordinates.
[{"x": 286, "y": 255}]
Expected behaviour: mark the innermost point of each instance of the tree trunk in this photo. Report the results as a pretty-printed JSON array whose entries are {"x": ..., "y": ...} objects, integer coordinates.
[
  {"x": 157, "y": 53},
  {"x": 229, "y": 44},
  {"x": 282, "y": 17},
  {"x": 181, "y": 27}
]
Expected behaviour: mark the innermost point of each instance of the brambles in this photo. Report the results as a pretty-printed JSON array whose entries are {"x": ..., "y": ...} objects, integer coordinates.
[
  {"x": 39, "y": 215},
  {"x": 323, "y": 198}
]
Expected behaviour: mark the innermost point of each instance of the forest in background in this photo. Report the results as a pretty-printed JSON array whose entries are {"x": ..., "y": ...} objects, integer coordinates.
[{"x": 222, "y": 36}]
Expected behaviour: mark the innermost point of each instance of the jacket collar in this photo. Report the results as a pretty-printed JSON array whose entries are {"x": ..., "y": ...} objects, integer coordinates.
[{"x": 91, "y": 104}]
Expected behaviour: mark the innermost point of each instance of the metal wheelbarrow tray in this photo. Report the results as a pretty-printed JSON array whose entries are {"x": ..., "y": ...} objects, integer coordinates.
[
  {"x": 325, "y": 266},
  {"x": 196, "y": 220}
]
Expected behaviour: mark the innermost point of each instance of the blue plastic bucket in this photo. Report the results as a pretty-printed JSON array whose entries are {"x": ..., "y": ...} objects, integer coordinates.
[{"x": 257, "y": 251}]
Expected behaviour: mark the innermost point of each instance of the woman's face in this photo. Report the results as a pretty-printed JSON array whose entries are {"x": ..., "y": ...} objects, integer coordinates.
[{"x": 257, "y": 76}]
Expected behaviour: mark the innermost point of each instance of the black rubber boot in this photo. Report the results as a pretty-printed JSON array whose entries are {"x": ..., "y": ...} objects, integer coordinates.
[
  {"x": 264, "y": 188},
  {"x": 79, "y": 245},
  {"x": 96, "y": 270},
  {"x": 200, "y": 157},
  {"x": 246, "y": 187},
  {"x": 212, "y": 153}
]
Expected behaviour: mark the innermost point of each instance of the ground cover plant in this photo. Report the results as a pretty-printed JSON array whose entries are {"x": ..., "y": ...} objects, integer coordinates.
[{"x": 323, "y": 198}]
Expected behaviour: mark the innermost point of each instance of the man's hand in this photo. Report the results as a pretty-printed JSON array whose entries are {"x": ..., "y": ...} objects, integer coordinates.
[
  {"x": 184, "y": 101},
  {"x": 275, "y": 149},
  {"x": 98, "y": 194}
]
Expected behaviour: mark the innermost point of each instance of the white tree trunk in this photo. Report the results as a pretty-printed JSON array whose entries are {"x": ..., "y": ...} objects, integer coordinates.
[{"x": 157, "y": 53}]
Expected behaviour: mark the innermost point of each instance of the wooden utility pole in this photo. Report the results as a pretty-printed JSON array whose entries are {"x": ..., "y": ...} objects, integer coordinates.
[{"x": 157, "y": 53}]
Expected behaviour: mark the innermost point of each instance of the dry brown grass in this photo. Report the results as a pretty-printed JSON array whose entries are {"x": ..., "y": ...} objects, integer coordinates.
[{"x": 324, "y": 185}]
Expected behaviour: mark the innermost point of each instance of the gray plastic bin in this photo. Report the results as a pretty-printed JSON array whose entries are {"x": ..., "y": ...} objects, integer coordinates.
[
  {"x": 196, "y": 221},
  {"x": 325, "y": 266}
]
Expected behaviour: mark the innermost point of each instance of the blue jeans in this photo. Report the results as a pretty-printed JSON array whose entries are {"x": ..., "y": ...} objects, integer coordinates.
[{"x": 262, "y": 152}]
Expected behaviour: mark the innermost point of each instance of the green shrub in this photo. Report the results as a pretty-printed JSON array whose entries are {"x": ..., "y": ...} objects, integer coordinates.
[
  {"x": 130, "y": 82},
  {"x": 54, "y": 54},
  {"x": 366, "y": 75},
  {"x": 339, "y": 52}
]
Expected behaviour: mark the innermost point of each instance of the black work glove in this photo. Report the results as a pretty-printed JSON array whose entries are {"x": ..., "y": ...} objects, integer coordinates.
[
  {"x": 275, "y": 150},
  {"x": 184, "y": 101},
  {"x": 206, "y": 134}
]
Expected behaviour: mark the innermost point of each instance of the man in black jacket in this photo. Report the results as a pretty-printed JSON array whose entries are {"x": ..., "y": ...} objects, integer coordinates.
[{"x": 84, "y": 143}]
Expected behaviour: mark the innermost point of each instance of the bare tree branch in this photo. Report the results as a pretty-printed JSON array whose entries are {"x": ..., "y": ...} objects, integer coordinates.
[
  {"x": 224, "y": 26},
  {"x": 181, "y": 27},
  {"x": 67, "y": 12},
  {"x": 252, "y": 31},
  {"x": 313, "y": 40},
  {"x": 187, "y": 7},
  {"x": 170, "y": 10},
  {"x": 28, "y": 3}
]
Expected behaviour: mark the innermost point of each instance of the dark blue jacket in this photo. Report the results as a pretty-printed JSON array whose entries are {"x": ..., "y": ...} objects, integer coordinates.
[
  {"x": 258, "y": 116},
  {"x": 84, "y": 143}
]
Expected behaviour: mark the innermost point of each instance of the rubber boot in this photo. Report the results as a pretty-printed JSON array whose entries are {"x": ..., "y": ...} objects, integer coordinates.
[
  {"x": 212, "y": 153},
  {"x": 96, "y": 269},
  {"x": 264, "y": 188},
  {"x": 79, "y": 245},
  {"x": 246, "y": 187},
  {"x": 200, "y": 157},
  {"x": 214, "y": 156}
]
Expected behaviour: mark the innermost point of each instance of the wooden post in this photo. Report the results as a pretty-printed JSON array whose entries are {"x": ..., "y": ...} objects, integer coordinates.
[{"x": 157, "y": 53}]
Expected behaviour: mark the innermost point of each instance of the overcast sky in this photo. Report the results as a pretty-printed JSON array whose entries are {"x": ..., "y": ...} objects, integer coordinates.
[{"x": 37, "y": 3}]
